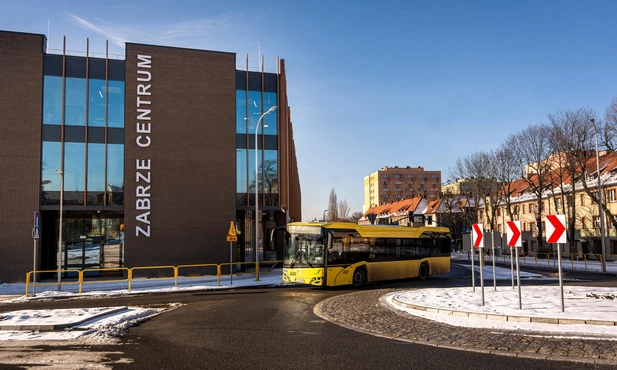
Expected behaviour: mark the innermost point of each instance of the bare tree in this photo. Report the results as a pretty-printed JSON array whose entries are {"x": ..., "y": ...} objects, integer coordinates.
[
  {"x": 451, "y": 213},
  {"x": 475, "y": 168},
  {"x": 343, "y": 210},
  {"x": 491, "y": 187},
  {"x": 332, "y": 207},
  {"x": 534, "y": 150},
  {"x": 355, "y": 217},
  {"x": 570, "y": 142},
  {"x": 609, "y": 128},
  {"x": 507, "y": 171}
]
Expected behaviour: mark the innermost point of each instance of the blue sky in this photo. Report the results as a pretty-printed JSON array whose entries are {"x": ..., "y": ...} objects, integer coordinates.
[{"x": 373, "y": 84}]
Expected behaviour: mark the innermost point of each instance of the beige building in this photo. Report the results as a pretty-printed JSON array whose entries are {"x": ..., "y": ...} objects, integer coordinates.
[
  {"x": 391, "y": 184},
  {"x": 460, "y": 186},
  {"x": 587, "y": 235}
]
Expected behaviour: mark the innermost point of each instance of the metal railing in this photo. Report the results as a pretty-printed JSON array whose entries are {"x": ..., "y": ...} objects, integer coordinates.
[
  {"x": 548, "y": 258},
  {"x": 158, "y": 273}
]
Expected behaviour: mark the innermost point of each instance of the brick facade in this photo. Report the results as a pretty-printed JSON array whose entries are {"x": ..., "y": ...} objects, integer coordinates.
[
  {"x": 21, "y": 91},
  {"x": 192, "y": 154}
]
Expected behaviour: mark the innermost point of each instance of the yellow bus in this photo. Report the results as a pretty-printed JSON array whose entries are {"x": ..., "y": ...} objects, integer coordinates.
[{"x": 333, "y": 254}]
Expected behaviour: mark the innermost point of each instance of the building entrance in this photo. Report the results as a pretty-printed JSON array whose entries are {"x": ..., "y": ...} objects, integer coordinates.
[{"x": 90, "y": 239}]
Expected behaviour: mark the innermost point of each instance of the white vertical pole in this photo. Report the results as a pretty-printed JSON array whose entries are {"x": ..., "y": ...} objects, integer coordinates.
[
  {"x": 473, "y": 268},
  {"x": 518, "y": 280},
  {"x": 493, "y": 253},
  {"x": 560, "y": 275},
  {"x": 481, "y": 258},
  {"x": 512, "y": 266}
]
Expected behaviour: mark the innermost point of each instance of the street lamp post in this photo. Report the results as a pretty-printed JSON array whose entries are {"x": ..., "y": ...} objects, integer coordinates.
[
  {"x": 600, "y": 207},
  {"x": 324, "y": 215},
  {"x": 60, "y": 231},
  {"x": 257, "y": 187}
]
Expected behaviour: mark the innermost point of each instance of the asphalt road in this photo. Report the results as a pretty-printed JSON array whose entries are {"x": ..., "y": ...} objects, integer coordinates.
[{"x": 272, "y": 329}]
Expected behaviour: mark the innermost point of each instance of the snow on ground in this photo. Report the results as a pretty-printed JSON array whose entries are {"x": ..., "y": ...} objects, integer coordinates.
[
  {"x": 587, "y": 303},
  {"x": 580, "y": 302},
  {"x": 583, "y": 303},
  {"x": 108, "y": 327},
  {"x": 103, "y": 328}
]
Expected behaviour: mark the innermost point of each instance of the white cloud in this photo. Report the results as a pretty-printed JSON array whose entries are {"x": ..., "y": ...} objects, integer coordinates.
[{"x": 194, "y": 33}]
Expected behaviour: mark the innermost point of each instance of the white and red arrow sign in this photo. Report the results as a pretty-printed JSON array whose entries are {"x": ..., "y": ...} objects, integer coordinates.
[
  {"x": 513, "y": 234},
  {"x": 477, "y": 231},
  {"x": 556, "y": 229}
]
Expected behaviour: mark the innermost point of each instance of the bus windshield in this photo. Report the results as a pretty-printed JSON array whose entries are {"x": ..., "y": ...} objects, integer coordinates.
[{"x": 305, "y": 249}]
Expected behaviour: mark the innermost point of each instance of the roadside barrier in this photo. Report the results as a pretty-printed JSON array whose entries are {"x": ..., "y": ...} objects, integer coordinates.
[
  {"x": 550, "y": 259},
  {"x": 147, "y": 273}
]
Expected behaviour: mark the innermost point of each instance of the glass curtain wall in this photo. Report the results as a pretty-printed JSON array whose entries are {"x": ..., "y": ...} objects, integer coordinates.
[
  {"x": 83, "y": 135},
  {"x": 256, "y": 93},
  {"x": 248, "y": 112}
]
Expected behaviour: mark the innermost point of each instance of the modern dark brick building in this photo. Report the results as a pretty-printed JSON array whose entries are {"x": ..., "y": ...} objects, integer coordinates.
[{"x": 153, "y": 156}]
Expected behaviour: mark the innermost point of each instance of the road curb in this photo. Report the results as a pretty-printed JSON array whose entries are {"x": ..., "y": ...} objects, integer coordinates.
[
  {"x": 511, "y": 318},
  {"x": 65, "y": 325}
]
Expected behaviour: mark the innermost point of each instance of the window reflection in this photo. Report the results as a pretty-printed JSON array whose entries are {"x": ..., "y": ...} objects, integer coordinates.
[
  {"x": 75, "y": 103},
  {"x": 74, "y": 162},
  {"x": 92, "y": 240},
  {"x": 96, "y": 167},
  {"x": 50, "y": 179},
  {"x": 241, "y": 111},
  {"x": 96, "y": 106},
  {"x": 271, "y": 119},
  {"x": 116, "y": 104},
  {"x": 270, "y": 171},
  {"x": 52, "y": 100},
  {"x": 115, "y": 173}
]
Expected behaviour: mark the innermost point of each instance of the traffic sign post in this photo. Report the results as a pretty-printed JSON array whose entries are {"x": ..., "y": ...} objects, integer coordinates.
[
  {"x": 513, "y": 239},
  {"x": 556, "y": 233},
  {"x": 36, "y": 233},
  {"x": 477, "y": 234},
  {"x": 493, "y": 235},
  {"x": 231, "y": 238}
]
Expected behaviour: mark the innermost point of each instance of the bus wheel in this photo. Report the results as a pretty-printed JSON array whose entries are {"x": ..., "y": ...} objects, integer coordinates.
[
  {"x": 423, "y": 274},
  {"x": 359, "y": 277}
]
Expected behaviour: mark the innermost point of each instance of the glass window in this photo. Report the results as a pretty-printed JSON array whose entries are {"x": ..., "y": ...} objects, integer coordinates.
[
  {"x": 255, "y": 111},
  {"x": 50, "y": 179},
  {"x": 75, "y": 103},
  {"x": 241, "y": 170},
  {"x": 52, "y": 100},
  {"x": 611, "y": 195},
  {"x": 270, "y": 120},
  {"x": 96, "y": 167},
  {"x": 270, "y": 171},
  {"x": 74, "y": 163},
  {"x": 115, "y": 167},
  {"x": 116, "y": 104},
  {"x": 96, "y": 105},
  {"x": 240, "y": 111}
]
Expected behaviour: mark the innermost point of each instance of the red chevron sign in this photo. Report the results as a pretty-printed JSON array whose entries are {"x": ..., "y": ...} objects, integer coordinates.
[
  {"x": 555, "y": 229},
  {"x": 513, "y": 234},
  {"x": 477, "y": 232}
]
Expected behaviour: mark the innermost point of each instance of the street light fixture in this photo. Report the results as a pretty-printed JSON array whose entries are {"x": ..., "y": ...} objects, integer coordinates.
[
  {"x": 257, "y": 187},
  {"x": 60, "y": 232},
  {"x": 600, "y": 207}
]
